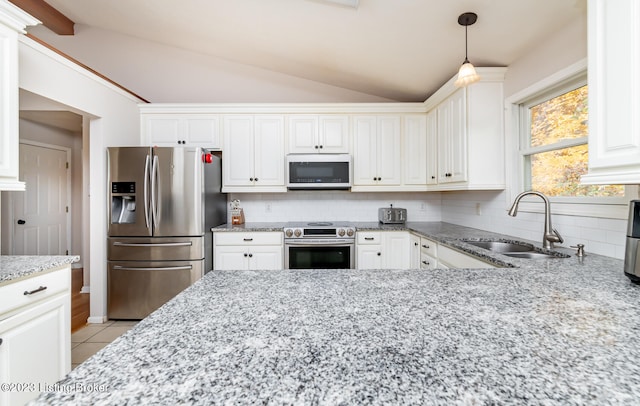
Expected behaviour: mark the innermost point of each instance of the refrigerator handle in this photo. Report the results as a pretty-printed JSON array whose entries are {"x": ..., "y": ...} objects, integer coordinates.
[
  {"x": 154, "y": 191},
  {"x": 147, "y": 220},
  {"x": 148, "y": 268}
]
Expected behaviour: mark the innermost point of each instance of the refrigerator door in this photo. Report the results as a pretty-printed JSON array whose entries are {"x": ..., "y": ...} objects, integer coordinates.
[
  {"x": 177, "y": 192},
  {"x": 129, "y": 211},
  {"x": 137, "y": 288}
]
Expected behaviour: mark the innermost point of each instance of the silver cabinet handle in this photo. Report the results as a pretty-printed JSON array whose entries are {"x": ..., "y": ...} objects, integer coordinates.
[
  {"x": 31, "y": 292},
  {"x": 161, "y": 268},
  {"x": 161, "y": 244}
]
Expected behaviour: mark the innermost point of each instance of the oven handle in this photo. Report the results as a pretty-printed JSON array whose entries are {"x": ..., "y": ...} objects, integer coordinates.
[{"x": 320, "y": 242}]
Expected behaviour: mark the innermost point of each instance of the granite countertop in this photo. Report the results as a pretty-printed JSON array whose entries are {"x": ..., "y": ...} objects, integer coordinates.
[
  {"x": 18, "y": 267},
  {"x": 558, "y": 331},
  {"x": 254, "y": 226}
]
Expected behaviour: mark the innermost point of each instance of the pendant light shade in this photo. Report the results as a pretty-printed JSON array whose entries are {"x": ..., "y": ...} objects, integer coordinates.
[{"x": 467, "y": 73}]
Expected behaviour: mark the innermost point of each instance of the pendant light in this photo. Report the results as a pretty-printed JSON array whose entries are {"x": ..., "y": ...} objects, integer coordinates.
[{"x": 467, "y": 73}]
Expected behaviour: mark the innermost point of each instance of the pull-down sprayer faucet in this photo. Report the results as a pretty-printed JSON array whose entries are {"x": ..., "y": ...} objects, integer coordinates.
[{"x": 551, "y": 235}]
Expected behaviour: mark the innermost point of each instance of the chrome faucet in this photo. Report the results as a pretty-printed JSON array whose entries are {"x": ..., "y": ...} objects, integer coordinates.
[{"x": 551, "y": 235}]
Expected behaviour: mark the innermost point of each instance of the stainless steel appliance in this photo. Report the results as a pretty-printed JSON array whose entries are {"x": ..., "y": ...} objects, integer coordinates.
[
  {"x": 392, "y": 215},
  {"x": 319, "y": 245},
  {"x": 632, "y": 248},
  {"x": 162, "y": 204},
  {"x": 319, "y": 171}
]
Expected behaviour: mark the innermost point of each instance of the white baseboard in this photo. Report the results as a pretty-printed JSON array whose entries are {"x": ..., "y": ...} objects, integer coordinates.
[{"x": 85, "y": 289}]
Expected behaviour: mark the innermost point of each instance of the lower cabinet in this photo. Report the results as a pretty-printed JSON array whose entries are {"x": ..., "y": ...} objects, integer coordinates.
[
  {"x": 248, "y": 251},
  {"x": 35, "y": 335},
  {"x": 450, "y": 258},
  {"x": 383, "y": 250}
]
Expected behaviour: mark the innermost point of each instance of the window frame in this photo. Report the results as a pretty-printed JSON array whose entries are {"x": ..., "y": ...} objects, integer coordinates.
[{"x": 554, "y": 85}]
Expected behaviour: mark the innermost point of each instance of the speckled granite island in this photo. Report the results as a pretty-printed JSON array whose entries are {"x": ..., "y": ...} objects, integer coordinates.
[{"x": 556, "y": 331}]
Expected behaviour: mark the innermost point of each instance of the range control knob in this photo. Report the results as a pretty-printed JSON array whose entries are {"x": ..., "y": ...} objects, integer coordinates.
[
  {"x": 341, "y": 232},
  {"x": 350, "y": 232},
  {"x": 288, "y": 232},
  {"x": 297, "y": 233}
]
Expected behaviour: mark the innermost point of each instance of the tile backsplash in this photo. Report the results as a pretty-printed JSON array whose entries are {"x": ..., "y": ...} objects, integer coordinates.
[
  {"x": 485, "y": 210},
  {"x": 320, "y": 205}
]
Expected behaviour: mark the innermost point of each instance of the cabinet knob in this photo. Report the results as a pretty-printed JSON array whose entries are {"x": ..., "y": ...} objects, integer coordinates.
[
  {"x": 251, "y": 179},
  {"x": 433, "y": 177},
  {"x": 250, "y": 255},
  {"x": 316, "y": 147},
  {"x": 320, "y": 146},
  {"x": 256, "y": 179},
  {"x": 246, "y": 255},
  {"x": 379, "y": 254},
  {"x": 415, "y": 243}
]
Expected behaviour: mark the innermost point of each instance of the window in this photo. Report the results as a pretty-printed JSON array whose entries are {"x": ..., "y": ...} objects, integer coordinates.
[{"x": 552, "y": 119}]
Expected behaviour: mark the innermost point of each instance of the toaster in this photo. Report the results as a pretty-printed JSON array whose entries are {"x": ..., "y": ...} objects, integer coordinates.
[{"x": 392, "y": 215}]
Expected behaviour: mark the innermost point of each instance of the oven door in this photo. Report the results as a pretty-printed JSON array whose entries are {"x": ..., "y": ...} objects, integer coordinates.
[{"x": 319, "y": 255}]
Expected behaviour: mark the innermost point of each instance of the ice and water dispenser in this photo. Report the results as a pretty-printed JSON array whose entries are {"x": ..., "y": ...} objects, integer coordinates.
[
  {"x": 123, "y": 202},
  {"x": 632, "y": 249}
]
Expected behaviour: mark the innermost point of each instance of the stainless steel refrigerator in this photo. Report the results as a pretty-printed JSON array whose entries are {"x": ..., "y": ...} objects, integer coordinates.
[{"x": 163, "y": 202}]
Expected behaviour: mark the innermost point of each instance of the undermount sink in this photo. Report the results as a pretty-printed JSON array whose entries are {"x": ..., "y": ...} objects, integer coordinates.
[
  {"x": 501, "y": 246},
  {"x": 515, "y": 249}
]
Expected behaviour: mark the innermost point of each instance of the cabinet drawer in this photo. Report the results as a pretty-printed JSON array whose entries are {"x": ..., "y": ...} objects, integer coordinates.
[
  {"x": 249, "y": 238},
  {"x": 429, "y": 247},
  {"x": 28, "y": 291},
  {"x": 427, "y": 262},
  {"x": 366, "y": 237}
]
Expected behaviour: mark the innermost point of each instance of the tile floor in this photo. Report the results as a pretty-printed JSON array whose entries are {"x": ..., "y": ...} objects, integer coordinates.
[{"x": 90, "y": 339}]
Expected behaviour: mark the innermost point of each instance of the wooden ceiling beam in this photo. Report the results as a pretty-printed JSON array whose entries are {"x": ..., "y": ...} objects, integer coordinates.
[{"x": 49, "y": 16}]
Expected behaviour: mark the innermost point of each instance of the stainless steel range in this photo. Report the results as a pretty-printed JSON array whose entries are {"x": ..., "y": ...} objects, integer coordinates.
[{"x": 319, "y": 245}]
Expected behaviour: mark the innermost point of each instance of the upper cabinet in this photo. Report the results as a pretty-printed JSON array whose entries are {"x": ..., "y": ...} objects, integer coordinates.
[
  {"x": 377, "y": 151},
  {"x": 614, "y": 92},
  {"x": 319, "y": 134},
  {"x": 253, "y": 158},
  {"x": 466, "y": 128},
  {"x": 13, "y": 22},
  {"x": 169, "y": 130}
]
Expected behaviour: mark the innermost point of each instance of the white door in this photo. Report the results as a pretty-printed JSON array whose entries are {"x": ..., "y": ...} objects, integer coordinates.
[{"x": 40, "y": 212}]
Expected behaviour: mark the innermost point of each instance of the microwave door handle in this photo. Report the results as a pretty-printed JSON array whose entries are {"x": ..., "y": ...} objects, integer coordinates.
[{"x": 147, "y": 210}]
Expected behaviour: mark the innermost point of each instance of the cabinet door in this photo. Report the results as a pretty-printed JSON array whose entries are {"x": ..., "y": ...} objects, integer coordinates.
[
  {"x": 369, "y": 256},
  {"x": 267, "y": 257},
  {"x": 452, "y": 138},
  {"x": 230, "y": 257},
  {"x": 238, "y": 162},
  {"x": 333, "y": 134},
  {"x": 388, "y": 151},
  {"x": 364, "y": 151},
  {"x": 161, "y": 130},
  {"x": 203, "y": 132},
  {"x": 432, "y": 147},
  {"x": 396, "y": 250},
  {"x": 414, "y": 251},
  {"x": 614, "y": 92},
  {"x": 428, "y": 262},
  {"x": 35, "y": 348},
  {"x": 269, "y": 151},
  {"x": 303, "y": 135},
  {"x": 415, "y": 150}
]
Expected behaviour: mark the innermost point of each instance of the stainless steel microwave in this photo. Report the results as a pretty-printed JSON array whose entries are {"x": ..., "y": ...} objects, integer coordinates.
[{"x": 319, "y": 171}]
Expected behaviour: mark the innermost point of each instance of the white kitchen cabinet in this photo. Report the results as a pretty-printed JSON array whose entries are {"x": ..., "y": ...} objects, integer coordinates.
[
  {"x": 414, "y": 251},
  {"x": 248, "y": 251},
  {"x": 414, "y": 150},
  {"x": 13, "y": 22},
  {"x": 452, "y": 138},
  {"x": 431, "y": 121},
  {"x": 469, "y": 134},
  {"x": 323, "y": 134},
  {"x": 377, "y": 151},
  {"x": 428, "y": 253},
  {"x": 35, "y": 334},
  {"x": 383, "y": 250},
  {"x": 253, "y": 158},
  {"x": 614, "y": 92},
  {"x": 170, "y": 130},
  {"x": 451, "y": 258}
]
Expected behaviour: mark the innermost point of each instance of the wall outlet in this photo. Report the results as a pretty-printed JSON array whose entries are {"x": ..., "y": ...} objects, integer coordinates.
[
  {"x": 478, "y": 209},
  {"x": 267, "y": 207},
  {"x": 423, "y": 207}
]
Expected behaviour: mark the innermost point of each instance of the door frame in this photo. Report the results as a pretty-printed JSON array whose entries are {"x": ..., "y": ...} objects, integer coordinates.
[{"x": 10, "y": 216}]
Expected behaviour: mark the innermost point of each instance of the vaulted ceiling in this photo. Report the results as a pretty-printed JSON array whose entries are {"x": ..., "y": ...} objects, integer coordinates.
[{"x": 397, "y": 49}]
